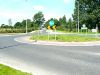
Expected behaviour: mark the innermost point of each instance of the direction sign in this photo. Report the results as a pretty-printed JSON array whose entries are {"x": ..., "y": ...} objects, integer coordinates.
[
  {"x": 83, "y": 27},
  {"x": 52, "y": 27},
  {"x": 51, "y": 23}
]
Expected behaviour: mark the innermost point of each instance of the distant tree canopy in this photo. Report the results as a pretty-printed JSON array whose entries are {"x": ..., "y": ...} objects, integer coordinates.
[
  {"x": 39, "y": 19},
  {"x": 5, "y": 26},
  {"x": 17, "y": 25},
  {"x": 89, "y": 13},
  {"x": 63, "y": 23}
]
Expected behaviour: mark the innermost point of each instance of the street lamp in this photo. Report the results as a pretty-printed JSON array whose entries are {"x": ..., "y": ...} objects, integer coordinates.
[{"x": 78, "y": 16}]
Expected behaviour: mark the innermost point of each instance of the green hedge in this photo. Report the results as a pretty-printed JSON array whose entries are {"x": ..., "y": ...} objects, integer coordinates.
[
  {"x": 64, "y": 38},
  {"x": 13, "y": 30}
]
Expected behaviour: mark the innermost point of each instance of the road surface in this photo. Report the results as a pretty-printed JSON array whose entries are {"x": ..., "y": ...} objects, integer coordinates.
[{"x": 78, "y": 60}]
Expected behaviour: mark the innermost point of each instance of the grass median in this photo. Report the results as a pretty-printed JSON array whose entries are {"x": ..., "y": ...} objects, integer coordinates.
[
  {"x": 64, "y": 38},
  {"x": 5, "y": 70}
]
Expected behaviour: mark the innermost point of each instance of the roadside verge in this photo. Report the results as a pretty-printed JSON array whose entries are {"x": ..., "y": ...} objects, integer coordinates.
[{"x": 27, "y": 40}]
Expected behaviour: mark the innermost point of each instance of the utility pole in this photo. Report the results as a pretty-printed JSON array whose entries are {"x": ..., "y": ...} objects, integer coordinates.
[
  {"x": 78, "y": 16},
  {"x": 26, "y": 18},
  {"x": 26, "y": 26}
]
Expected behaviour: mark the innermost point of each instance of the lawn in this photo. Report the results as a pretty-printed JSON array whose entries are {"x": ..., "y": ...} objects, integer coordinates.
[
  {"x": 5, "y": 70},
  {"x": 64, "y": 38}
]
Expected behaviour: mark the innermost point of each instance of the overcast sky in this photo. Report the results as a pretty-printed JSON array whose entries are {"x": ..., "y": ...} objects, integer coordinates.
[{"x": 17, "y": 10}]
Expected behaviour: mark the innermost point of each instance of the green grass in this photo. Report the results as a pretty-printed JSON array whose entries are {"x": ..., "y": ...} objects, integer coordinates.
[
  {"x": 5, "y": 70},
  {"x": 62, "y": 38},
  {"x": 74, "y": 32}
]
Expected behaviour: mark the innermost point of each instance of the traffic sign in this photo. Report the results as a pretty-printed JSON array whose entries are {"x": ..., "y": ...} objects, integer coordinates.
[
  {"x": 49, "y": 27},
  {"x": 83, "y": 27},
  {"x": 51, "y": 23},
  {"x": 54, "y": 27}
]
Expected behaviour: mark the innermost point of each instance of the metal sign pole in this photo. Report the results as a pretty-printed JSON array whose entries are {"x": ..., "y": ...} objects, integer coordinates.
[
  {"x": 78, "y": 17},
  {"x": 55, "y": 35},
  {"x": 26, "y": 18},
  {"x": 48, "y": 36}
]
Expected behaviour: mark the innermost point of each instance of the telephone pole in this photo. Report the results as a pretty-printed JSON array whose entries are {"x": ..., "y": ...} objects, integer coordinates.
[
  {"x": 26, "y": 18},
  {"x": 78, "y": 17}
]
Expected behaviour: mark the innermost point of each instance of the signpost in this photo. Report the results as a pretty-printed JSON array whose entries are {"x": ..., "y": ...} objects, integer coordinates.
[
  {"x": 51, "y": 23},
  {"x": 84, "y": 28},
  {"x": 52, "y": 26}
]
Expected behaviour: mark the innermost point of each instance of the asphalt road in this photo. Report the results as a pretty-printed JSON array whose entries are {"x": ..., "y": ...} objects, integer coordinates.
[{"x": 59, "y": 60}]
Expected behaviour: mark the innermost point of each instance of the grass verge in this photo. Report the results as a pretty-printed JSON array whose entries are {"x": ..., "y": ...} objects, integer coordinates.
[
  {"x": 63, "y": 38},
  {"x": 5, "y": 70}
]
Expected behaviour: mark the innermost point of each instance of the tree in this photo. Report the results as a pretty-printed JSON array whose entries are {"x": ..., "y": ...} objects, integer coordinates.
[
  {"x": 56, "y": 22},
  {"x": 63, "y": 20},
  {"x": 29, "y": 23},
  {"x": 39, "y": 19},
  {"x": 23, "y": 23},
  {"x": 89, "y": 13},
  {"x": 6, "y": 26},
  {"x": 17, "y": 25},
  {"x": 2, "y": 26},
  {"x": 69, "y": 24},
  {"x": 63, "y": 23}
]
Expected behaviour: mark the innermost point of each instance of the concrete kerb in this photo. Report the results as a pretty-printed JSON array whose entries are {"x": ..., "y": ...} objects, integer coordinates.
[{"x": 28, "y": 41}]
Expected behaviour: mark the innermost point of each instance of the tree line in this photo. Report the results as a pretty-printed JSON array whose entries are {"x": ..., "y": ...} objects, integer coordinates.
[
  {"x": 39, "y": 21},
  {"x": 89, "y": 14}
]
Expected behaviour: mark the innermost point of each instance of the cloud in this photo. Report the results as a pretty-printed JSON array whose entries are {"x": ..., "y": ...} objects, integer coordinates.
[
  {"x": 66, "y": 1},
  {"x": 38, "y": 8}
]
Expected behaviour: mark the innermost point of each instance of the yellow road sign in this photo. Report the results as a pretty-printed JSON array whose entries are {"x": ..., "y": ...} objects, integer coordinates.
[
  {"x": 48, "y": 27},
  {"x": 54, "y": 27}
]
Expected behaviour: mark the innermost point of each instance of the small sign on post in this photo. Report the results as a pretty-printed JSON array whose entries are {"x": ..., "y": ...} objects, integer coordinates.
[
  {"x": 52, "y": 27},
  {"x": 84, "y": 28}
]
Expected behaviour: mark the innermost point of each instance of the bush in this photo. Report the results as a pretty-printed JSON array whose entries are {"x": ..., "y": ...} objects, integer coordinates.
[{"x": 14, "y": 30}]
